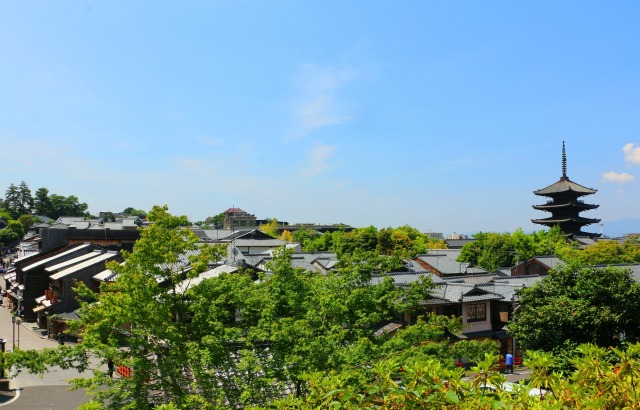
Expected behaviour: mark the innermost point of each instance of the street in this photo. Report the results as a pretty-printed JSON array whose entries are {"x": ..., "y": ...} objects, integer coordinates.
[{"x": 30, "y": 391}]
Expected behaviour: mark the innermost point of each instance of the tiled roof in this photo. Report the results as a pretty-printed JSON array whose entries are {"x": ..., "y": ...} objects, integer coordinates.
[
  {"x": 212, "y": 273},
  {"x": 213, "y": 234},
  {"x": 634, "y": 268},
  {"x": 69, "y": 220},
  {"x": 236, "y": 234},
  {"x": 266, "y": 243},
  {"x": 302, "y": 260},
  {"x": 387, "y": 328},
  {"x": 444, "y": 261},
  {"x": 564, "y": 185},
  {"x": 71, "y": 262},
  {"x": 519, "y": 281},
  {"x": 550, "y": 261},
  {"x": 102, "y": 258},
  {"x": 553, "y": 219},
  {"x": 635, "y": 271},
  {"x": 56, "y": 256},
  {"x": 404, "y": 278},
  {"x": 458, "y": 243},
  {"x": 106, "y": 275}
]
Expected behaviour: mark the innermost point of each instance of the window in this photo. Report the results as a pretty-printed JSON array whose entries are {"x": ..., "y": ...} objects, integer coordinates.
[{"x": 477, "y": 312}]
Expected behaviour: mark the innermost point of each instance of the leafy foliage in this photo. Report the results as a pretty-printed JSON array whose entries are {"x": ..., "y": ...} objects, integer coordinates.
[
  {"x": 19, "y": 201},
  {"x": 495, "y": 250},
  {"x": 135, "y": 212},
  {"x": 231, "y": 339},
  {"x": 217, "y": 221},
  {"x": 404, "y": 241},
  {"x": 270, "y": 228},
  {"x": 13, "y": 232},
  {"x": 577, "y": 305},
  {"x": 602, "y": 379}
]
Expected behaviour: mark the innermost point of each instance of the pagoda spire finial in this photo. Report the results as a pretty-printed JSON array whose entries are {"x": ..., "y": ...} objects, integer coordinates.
[{"x": 564, "y": 162}]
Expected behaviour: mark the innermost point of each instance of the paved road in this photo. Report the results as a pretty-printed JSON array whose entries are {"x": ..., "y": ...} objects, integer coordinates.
[{"x": 30, "y": 391}]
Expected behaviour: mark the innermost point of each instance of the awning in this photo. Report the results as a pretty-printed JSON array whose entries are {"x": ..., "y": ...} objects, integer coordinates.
[
  {"x": 14, "y": 295},
  {"x": 387, "y": 328}
]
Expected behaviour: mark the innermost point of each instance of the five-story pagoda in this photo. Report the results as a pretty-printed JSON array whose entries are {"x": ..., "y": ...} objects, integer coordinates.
[{"x": 565, "y": 207}]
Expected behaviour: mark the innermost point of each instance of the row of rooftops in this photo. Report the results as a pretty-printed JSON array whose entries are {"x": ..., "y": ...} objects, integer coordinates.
[
  {"x": 79, "y": 222},
  {"x": 455, "y": 281}
]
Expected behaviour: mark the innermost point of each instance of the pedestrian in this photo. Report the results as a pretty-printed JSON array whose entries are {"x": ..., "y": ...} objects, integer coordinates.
[
  {"x": 60, "y": 338},
  {"x": 509, "y": 362},
  {"x": 110, "y": 367}
]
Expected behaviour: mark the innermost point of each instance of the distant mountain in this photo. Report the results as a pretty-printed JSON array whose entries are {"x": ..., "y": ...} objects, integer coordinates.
[{"x": 617, "y": 228}]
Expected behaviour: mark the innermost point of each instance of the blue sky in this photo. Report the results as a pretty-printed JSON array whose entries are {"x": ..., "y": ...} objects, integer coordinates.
[{"x": 442, "y": 115}]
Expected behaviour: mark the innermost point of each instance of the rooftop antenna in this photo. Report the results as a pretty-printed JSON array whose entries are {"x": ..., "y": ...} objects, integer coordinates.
[{"x": 564, "y": 163}]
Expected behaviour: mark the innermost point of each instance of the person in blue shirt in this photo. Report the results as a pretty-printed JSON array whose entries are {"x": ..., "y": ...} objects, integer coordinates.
[{"x": 509, "y": 362}]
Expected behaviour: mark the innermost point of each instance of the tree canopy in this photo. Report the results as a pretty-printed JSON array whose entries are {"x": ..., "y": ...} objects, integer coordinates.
[
  {"x": 404, "y": 241},
  {"x": 601, "y": 379},
  {"x": 19, "y": 201},
  {"x": 135, "y": 212},
  {"x": 13, "y": 232},
  {"x": 578, "y": 304},
  {"x": 233, "y": 339}
]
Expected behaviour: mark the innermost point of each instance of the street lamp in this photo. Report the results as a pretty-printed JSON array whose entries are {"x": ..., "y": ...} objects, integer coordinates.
[
  {"x": 15, "y": 321},
  {"x": 13, "y": 336}
]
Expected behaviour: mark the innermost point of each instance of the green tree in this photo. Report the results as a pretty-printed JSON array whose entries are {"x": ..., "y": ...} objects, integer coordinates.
[
  {"x": 405, "y": 241},
  {"x": 4, "y": 214},
  {"x": 67, "y": 206},
  {"x": 42, "y": 203},
  {"x": 601, "y": 380},
  {"x": 13, "y": 232},
  {"x": 216, "y": 221},
  {"x": 148, "y": 309},
  {"x": 316, "y": 242},
  {"x": 135, "y": 212},
  {"x": 577, "y": 305},
  {"x": 489, "y": 251},
  {"x": 357, "y": 240},
  {"x": 229, "y": 338},
  {"x": 605, "y": 252},
  {"x": 270, "y": 228},
  {"x": 306, "y": 237},
  {"x": 25, "y": 199},
  {"x": 12, "y": 201},
  {"x": 26, "y": 221},
  {"x": 631, "y": 248},
  {"x": 18, "y": 200},
  {"x": 496, "y": 250},
  {"x": 286, "y": 236}
]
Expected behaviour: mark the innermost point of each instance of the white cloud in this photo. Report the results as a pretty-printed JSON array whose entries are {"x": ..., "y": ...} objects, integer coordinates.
[
  {"x": 317, "y": 104},
  {"x": 317, "y": 160},
  {"x": 631, "y": 153},
  {"x": 618, "y": 178}
]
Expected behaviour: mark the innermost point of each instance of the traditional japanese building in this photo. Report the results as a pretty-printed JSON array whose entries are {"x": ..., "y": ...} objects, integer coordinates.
[{"x": 564, "y": 205}]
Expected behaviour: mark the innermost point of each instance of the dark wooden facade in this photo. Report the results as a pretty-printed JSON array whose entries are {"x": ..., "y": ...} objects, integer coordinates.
[{"x": 564, "y": 205}]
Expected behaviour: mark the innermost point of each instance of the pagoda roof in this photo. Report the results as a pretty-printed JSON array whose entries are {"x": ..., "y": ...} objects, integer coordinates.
[
  {"x": 565, "y": 185},
  {"x": 551, "y": 206},
  {"x": 563, "y": 220}
]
